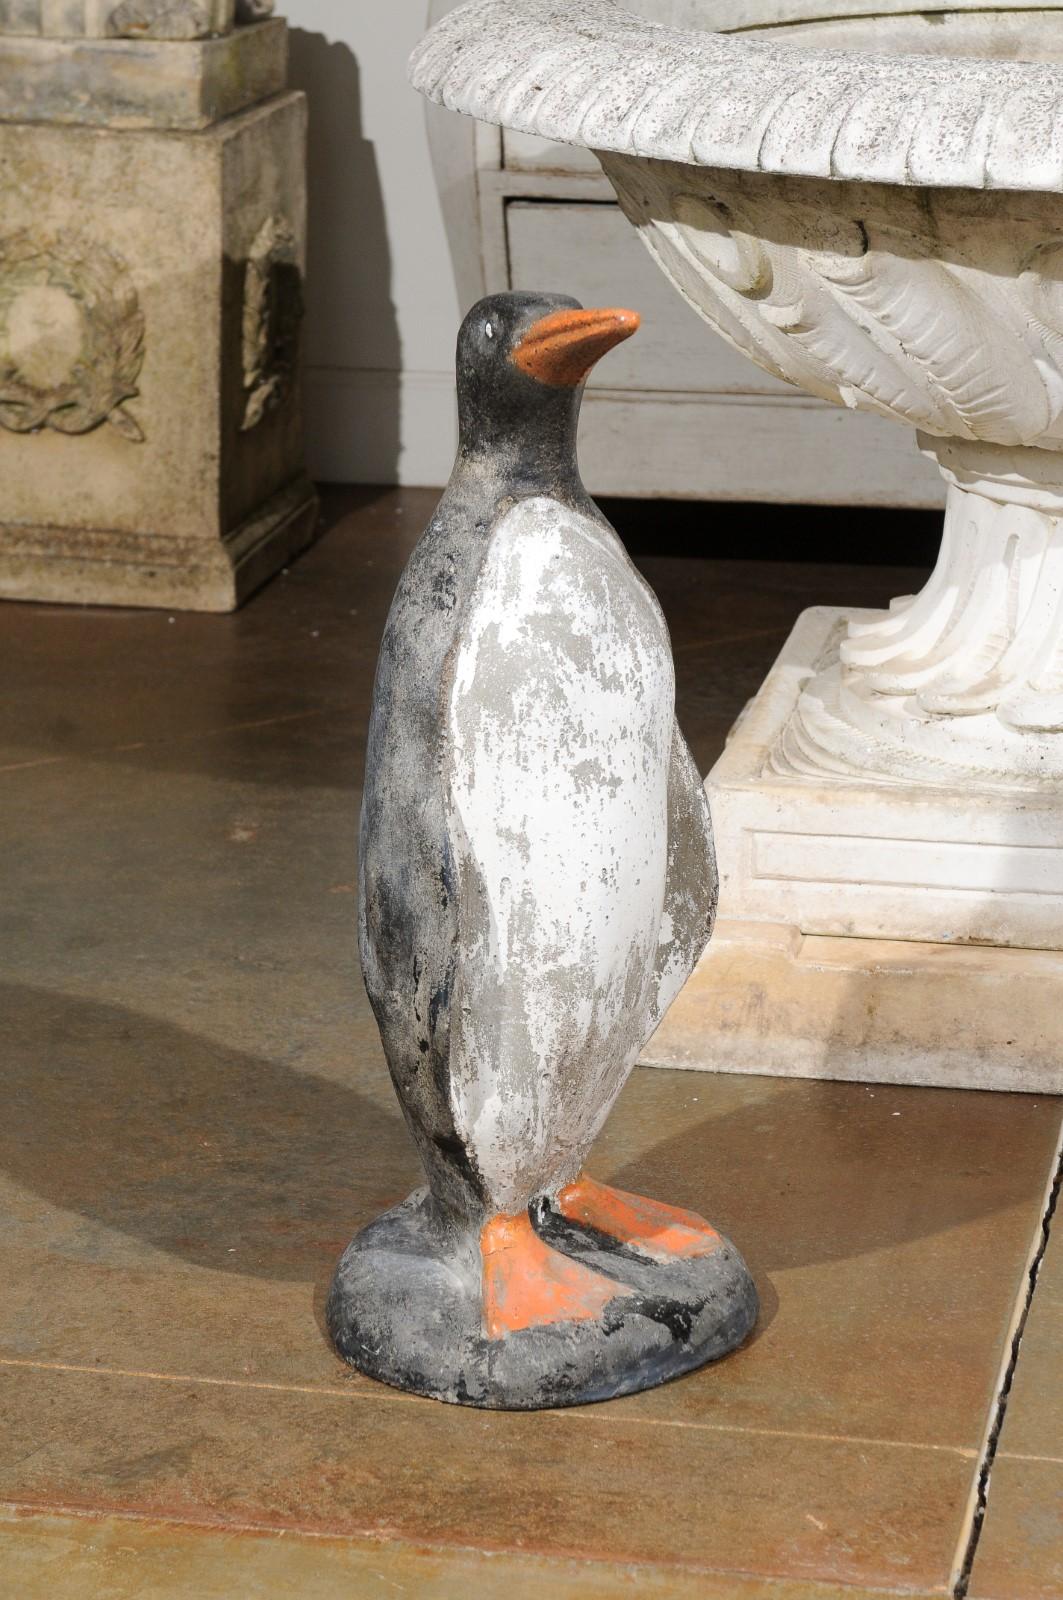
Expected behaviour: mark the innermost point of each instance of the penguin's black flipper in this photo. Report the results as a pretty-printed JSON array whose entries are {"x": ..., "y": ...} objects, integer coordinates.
[{"x": 693, "y": 884}]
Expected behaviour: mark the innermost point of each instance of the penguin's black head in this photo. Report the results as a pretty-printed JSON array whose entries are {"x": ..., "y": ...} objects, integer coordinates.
[
  {"x": 522, "y": 362},
  {"x": 549, "y": 338}
]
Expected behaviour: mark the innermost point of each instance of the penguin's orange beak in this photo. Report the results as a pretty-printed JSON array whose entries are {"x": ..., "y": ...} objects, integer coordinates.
[{"x": 561, "y": 349}]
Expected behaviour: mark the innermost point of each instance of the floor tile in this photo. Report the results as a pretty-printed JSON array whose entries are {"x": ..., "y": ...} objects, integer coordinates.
[
  {"x": 67, "y": 1558},
  {"x": 1033, "y": 1424},
  {"x": 889, "y": 1230},
  {"x": 182, "y": 1204},
  {"x": 583, "y": 1484},
  {"x": 95, "y": 679},
  {"x": 1020, "y": 1550},
  {"x": 1020, "y": 1553}
]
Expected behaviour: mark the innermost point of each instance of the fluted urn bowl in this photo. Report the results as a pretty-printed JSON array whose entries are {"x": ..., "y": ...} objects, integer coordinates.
[{"x": 883, "y": 230}]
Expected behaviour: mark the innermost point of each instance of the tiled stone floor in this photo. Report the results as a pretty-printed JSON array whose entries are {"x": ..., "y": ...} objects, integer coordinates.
[{"x": 196, "y": 1116}]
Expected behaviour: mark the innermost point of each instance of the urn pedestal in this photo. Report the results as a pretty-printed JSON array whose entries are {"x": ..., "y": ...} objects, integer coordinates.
[
  {"x": 889, "y": 809},
  {"x": 882, "y": 227},
  {"x": 152, "y": 227}
]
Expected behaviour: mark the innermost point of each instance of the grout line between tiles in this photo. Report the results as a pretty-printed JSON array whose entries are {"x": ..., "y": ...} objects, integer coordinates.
[
  {"x": 968, "y": 1549},
  {"x": 38, "y": 761},
  {"x": 584, "y": 1414}
]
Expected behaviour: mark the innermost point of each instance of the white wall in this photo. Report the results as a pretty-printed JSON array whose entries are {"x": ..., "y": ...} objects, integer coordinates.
[{"x": 382, "y": 308}]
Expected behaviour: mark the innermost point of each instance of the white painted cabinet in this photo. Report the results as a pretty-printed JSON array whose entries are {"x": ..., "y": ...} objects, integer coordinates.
[{"x": 593, "y": 252}]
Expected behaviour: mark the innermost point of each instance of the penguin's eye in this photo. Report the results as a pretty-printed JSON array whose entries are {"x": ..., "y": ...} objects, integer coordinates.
[{"x": 489, "y": 330}]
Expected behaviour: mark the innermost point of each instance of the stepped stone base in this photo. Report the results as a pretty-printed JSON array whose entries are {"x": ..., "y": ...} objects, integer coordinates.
[
  {"x": 104, "y": 566},
  {"x": 141, "y": 83},
  {"x": 957, "y": 860},
  {"x": 766, "y": 998},
  {"x": 873, "y": 930}
]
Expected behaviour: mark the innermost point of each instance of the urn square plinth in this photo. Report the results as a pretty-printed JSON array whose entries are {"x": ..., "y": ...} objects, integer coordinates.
[
  {"x": 853, "y": 853},
  {"x": 150, "y": 303},
  {"x": 872, "y": 928}
]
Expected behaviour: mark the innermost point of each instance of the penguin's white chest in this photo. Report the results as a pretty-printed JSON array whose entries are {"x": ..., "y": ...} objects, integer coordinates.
[{"x": 559, "y": 723}]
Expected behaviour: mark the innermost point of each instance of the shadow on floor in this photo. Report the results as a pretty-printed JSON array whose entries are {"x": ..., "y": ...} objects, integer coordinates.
[
  {"x": 245, "y": 1165},
  {"x": 225, "y": 1160}
]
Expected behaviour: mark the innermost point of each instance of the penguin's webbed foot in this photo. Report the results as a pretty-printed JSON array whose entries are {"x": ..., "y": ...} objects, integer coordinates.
[
  {"x": 661, "y": 1232},
  {"x": 529, "y": 1284}
]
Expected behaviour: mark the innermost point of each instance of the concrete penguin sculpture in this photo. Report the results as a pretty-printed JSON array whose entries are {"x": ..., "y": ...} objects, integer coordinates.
[{"x": 537, "y": 880}]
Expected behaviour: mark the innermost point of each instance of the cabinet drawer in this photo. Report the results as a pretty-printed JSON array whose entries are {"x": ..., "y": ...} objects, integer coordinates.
[{"x": 593, "y": 252}]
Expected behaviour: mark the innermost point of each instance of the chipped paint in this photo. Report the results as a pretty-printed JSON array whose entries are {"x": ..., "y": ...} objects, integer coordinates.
[{"x": 563, "y": 665}]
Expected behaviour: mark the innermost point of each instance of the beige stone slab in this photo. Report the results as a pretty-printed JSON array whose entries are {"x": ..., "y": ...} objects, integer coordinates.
[
  {"x": 1033, "y": 1423},
  {"x": 767, "y": 998},
  {"x": 116, "y": 19},
  {"x": 141, "y": 83},
  {"x": 1020, "y": 1553},
  {"x": 888, "y": 1231},
  {"x": 583, "y": 1485}
]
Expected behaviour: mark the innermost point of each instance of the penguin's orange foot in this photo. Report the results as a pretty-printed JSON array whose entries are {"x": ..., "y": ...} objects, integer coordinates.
[
  {"x": 662, "y": 1232},
  {"x": 528, "y": 1284}
]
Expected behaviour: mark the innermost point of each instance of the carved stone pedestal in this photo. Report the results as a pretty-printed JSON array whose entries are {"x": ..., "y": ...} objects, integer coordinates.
[
  {"x": 889, "y": 820},
  {"x": 150, "y": 302},
  {"x": 908, "y": 931},
  {"x": 962, "y": 683}
]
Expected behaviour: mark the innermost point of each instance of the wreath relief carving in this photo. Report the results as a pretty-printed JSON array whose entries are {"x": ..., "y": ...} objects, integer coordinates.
[
  {"x": 273, "y": 310},
  {"x": 71, "y": 336}
]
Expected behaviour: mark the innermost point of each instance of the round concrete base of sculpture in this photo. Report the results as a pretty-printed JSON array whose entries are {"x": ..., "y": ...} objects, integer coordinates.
[{"x": 406, "y": 1307}]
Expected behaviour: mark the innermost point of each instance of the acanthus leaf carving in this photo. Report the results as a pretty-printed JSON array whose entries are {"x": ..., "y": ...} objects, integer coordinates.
[
  {"x": 966, "y": 347},
  {"x": 273, "y": 310},
  {"x": 861, "y": 311},
  {"x": 921, "y": 310}
]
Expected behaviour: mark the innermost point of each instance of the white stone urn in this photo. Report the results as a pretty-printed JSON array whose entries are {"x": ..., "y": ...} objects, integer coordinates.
[{"x": 885, "y": 231}]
